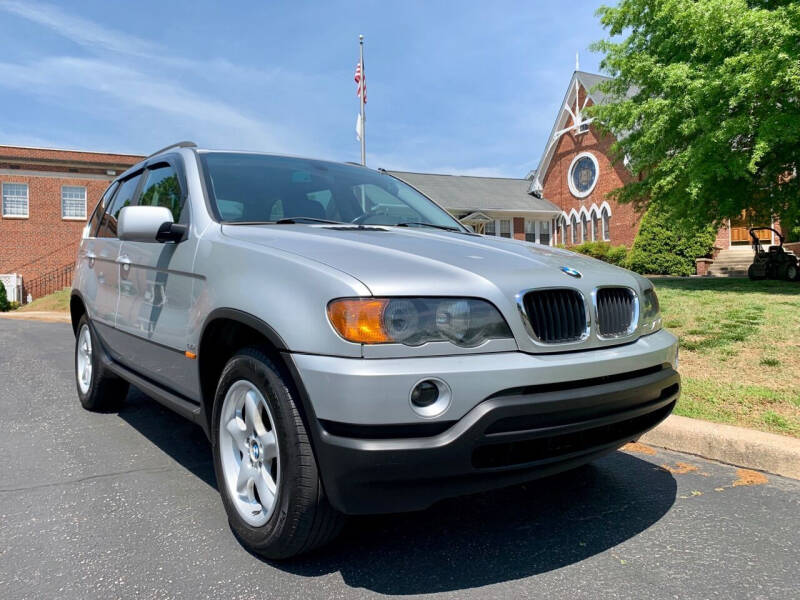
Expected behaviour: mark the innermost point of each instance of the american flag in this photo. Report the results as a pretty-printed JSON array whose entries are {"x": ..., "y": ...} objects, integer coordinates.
[{"x": 358, "y": 83}]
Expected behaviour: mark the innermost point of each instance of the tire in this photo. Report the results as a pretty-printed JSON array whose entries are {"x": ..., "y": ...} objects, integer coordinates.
[
  {"x": 272, "y": 444},
  {"x": 98, "y": 389},
  {"x": 791, "y": 272},
  {"x": 782, "y": 271},
  {"x": 752, "y": 273}
]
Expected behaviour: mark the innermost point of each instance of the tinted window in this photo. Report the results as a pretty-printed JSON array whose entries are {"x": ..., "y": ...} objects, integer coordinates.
[
  {"x": 162, "y": 189},
  {"x": 256, "y": 187},
  {"x": 97, "y": 215},
  {"x": 124, "y": 197}
]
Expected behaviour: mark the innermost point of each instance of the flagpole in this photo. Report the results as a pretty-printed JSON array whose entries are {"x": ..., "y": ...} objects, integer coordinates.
[{"x": 361, "y": 97}]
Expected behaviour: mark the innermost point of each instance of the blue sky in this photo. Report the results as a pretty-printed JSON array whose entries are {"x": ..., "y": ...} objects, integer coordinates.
[{"x": 453, "y": 87}]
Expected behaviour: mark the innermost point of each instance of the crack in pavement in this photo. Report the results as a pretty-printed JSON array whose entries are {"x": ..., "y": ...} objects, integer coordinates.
[{"x": 161, "y": 469}]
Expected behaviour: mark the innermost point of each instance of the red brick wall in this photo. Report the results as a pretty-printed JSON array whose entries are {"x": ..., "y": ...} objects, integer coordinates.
[
  {"x": 624, "y": 219},
  {"x": 45, "y": 241}
]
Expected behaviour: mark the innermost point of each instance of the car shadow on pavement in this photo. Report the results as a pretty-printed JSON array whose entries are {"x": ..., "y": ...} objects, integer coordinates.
[
  {"x": 499, "y": 536},
  {"x": 182, "y": 440},
  {"x": 466, "y": 542}
]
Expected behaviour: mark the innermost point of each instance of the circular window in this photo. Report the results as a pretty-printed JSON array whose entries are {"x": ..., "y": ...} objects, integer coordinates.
[{"x": 582, "y": 175}]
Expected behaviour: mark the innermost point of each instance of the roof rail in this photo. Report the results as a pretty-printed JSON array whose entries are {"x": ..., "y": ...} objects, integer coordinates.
[{"x": 175, "y": 145}]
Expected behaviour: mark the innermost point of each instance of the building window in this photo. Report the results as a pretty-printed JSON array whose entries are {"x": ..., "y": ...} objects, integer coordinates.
[
  {"x": 505, "y": 228},
  {"x": 606, "y": 225},
  {"x": 544, "y": 233},
  {"x": 530, "y": 231},
  {"x": 595, "y": 227},
  {"x": 490, "y": 228},
  {"x": 574, "y": 229},
  {"x": 582, "y": 174},
  {"x": 73, "y": 202},
  {"x": 564, "y": 230},
  {"x": 584, "y": 229},
  {"x": 15, "y": 200}
]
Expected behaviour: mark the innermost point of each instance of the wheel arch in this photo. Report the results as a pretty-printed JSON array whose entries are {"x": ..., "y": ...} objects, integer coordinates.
[
  {"x": 77, "y": 308},
  {"x": 227, "y": 330}
]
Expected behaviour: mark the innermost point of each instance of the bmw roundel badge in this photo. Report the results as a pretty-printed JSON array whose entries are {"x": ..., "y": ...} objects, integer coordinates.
[{"x": 571, "y": 272}]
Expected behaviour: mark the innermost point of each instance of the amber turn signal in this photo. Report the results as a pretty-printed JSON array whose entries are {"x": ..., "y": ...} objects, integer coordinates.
[{"x": 359, "y": 320}]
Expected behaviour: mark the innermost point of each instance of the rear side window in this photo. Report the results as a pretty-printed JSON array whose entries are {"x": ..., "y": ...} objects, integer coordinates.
[
  {"x": 97, "y": 215},
  {"x": 161, "y": 188},
  {"x": 124, "y": 197}
]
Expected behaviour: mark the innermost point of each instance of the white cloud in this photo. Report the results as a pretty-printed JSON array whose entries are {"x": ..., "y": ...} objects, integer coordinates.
[
  {"x": 81, "y": 31},
  {"x": 129, "y": 89}
]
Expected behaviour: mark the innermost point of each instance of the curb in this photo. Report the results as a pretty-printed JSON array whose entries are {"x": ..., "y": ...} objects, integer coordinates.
[
  {"x": 737, "y": 446},
  {"x": 47, "y": 316}
]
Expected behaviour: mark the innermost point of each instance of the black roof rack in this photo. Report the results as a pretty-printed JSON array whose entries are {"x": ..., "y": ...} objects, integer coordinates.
[{"x": 175, "y": 145}]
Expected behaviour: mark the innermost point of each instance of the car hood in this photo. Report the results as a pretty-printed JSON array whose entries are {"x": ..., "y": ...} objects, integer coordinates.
[{"x": 424, "y": 261}]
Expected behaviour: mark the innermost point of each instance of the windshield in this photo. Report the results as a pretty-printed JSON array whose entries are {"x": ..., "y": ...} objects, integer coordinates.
[{"x": 246, "y": 188}]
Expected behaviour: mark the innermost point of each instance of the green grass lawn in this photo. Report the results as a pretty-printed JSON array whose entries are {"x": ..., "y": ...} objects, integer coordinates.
[
  {"x": 740, "y": 350},
  {"x": 57, "y": 301}
]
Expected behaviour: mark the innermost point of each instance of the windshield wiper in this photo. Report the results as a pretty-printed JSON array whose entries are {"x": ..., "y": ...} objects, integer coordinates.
[
  {"x": 293, "y": 220},
  {"x": 422, "y": 224}
]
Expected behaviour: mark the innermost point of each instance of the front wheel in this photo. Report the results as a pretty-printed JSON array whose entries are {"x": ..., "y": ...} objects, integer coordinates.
[{"x": 266, "y": 471}]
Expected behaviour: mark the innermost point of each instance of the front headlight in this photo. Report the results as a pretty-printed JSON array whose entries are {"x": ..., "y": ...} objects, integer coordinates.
[
  {"x": 650, "y": 320},
  {"x": 465, "y": 322}
]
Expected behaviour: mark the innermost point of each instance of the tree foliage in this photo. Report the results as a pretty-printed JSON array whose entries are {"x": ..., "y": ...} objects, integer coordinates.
[
  {"x": 665, "y": 247},
  {"x": 707, "y": 105},
  {"x": 4, "y": 305}
]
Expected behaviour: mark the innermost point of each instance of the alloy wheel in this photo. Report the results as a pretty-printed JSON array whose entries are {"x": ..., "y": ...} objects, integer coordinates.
[{"x": 249, "y": 453}]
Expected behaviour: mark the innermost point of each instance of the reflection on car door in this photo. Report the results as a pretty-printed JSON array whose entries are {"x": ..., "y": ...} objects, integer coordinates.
[
  {"x": 156, "y": 291},
  {"x": 103, "y": 254}
]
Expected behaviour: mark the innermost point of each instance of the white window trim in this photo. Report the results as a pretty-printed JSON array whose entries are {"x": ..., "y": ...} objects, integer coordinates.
[
  {"x": 27, "y": 200},
  {"x": 572, "y": 189},
  {"x": 85, "y": 199}
]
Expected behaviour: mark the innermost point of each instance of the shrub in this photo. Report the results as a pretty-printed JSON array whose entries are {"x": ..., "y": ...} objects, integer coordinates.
[
  {"x": 13, "y": 305},
  {"x": 4, "y": 306},
  {"x": 616, "y": 255},
  {"x": 663, "y": 247}
]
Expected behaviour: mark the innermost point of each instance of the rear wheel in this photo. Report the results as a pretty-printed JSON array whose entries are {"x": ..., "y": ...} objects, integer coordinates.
[
  {"x": 755, "y": 272},
  {"x": 791, "y": 272},
  {"x": 265, "y": 468},
  {"x": 98, "y": 389}
]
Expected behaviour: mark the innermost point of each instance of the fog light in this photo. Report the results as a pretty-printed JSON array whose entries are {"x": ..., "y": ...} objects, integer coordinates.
[
  {"x": 424, "y": 394},
  {"x": 430, "y": 397}
]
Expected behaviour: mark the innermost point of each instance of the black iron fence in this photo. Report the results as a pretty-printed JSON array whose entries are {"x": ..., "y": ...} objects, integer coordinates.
[{"x": 48, "y": 283}]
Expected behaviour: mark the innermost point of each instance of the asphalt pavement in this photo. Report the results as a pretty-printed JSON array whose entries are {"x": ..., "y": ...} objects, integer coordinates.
[{"x": 124, "y": 505}]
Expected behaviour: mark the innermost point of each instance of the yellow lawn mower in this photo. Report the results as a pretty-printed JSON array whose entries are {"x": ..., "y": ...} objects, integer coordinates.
[{"x": 774, "y": 263}]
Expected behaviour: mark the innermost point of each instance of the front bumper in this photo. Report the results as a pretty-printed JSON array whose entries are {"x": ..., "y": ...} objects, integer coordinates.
[{"x": 512, "y": 437}]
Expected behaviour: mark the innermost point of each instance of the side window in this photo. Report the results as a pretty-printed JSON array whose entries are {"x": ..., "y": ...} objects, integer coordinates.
[
  {"x": 124, "y": 197},
  {"x": 97, "y": 215},
  {"x": 162, "y": 189}
]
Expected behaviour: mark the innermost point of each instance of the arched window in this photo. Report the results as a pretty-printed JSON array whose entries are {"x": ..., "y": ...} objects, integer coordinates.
[
  {"x": 606, "y": 224},
  {"x": 574, "y": 229},
  {"x": 595, "y": 227},
  {"x": 564, "y": 230},
  {"x": 584, "y": 228}
]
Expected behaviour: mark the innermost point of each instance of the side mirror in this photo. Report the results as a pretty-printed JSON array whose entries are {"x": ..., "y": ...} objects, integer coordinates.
[{"x": 148, "y": 224}]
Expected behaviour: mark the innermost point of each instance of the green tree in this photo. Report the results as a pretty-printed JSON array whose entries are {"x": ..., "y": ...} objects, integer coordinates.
[
  {"x": 4, "y": 306},
  {"x": 707, "y": 105},
  {"x": 664, "y": 247}
]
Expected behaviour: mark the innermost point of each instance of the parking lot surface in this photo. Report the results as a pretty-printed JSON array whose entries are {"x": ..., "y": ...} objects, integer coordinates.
[{"x": 125, "y": 505}]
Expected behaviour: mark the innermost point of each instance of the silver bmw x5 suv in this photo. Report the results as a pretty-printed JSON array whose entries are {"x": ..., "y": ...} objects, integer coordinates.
[{"x": 348, "y": 346}]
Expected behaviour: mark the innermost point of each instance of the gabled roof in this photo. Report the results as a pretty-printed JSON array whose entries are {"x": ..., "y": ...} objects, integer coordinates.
[
  {"x": 469, "y": 194},
  {"x": 587, "y": 81}
]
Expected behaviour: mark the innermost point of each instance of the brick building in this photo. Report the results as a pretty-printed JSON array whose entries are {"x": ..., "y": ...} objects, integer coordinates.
[
  {"x": 47, "y": 196},
  {"x": 576, "y": 173}
]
